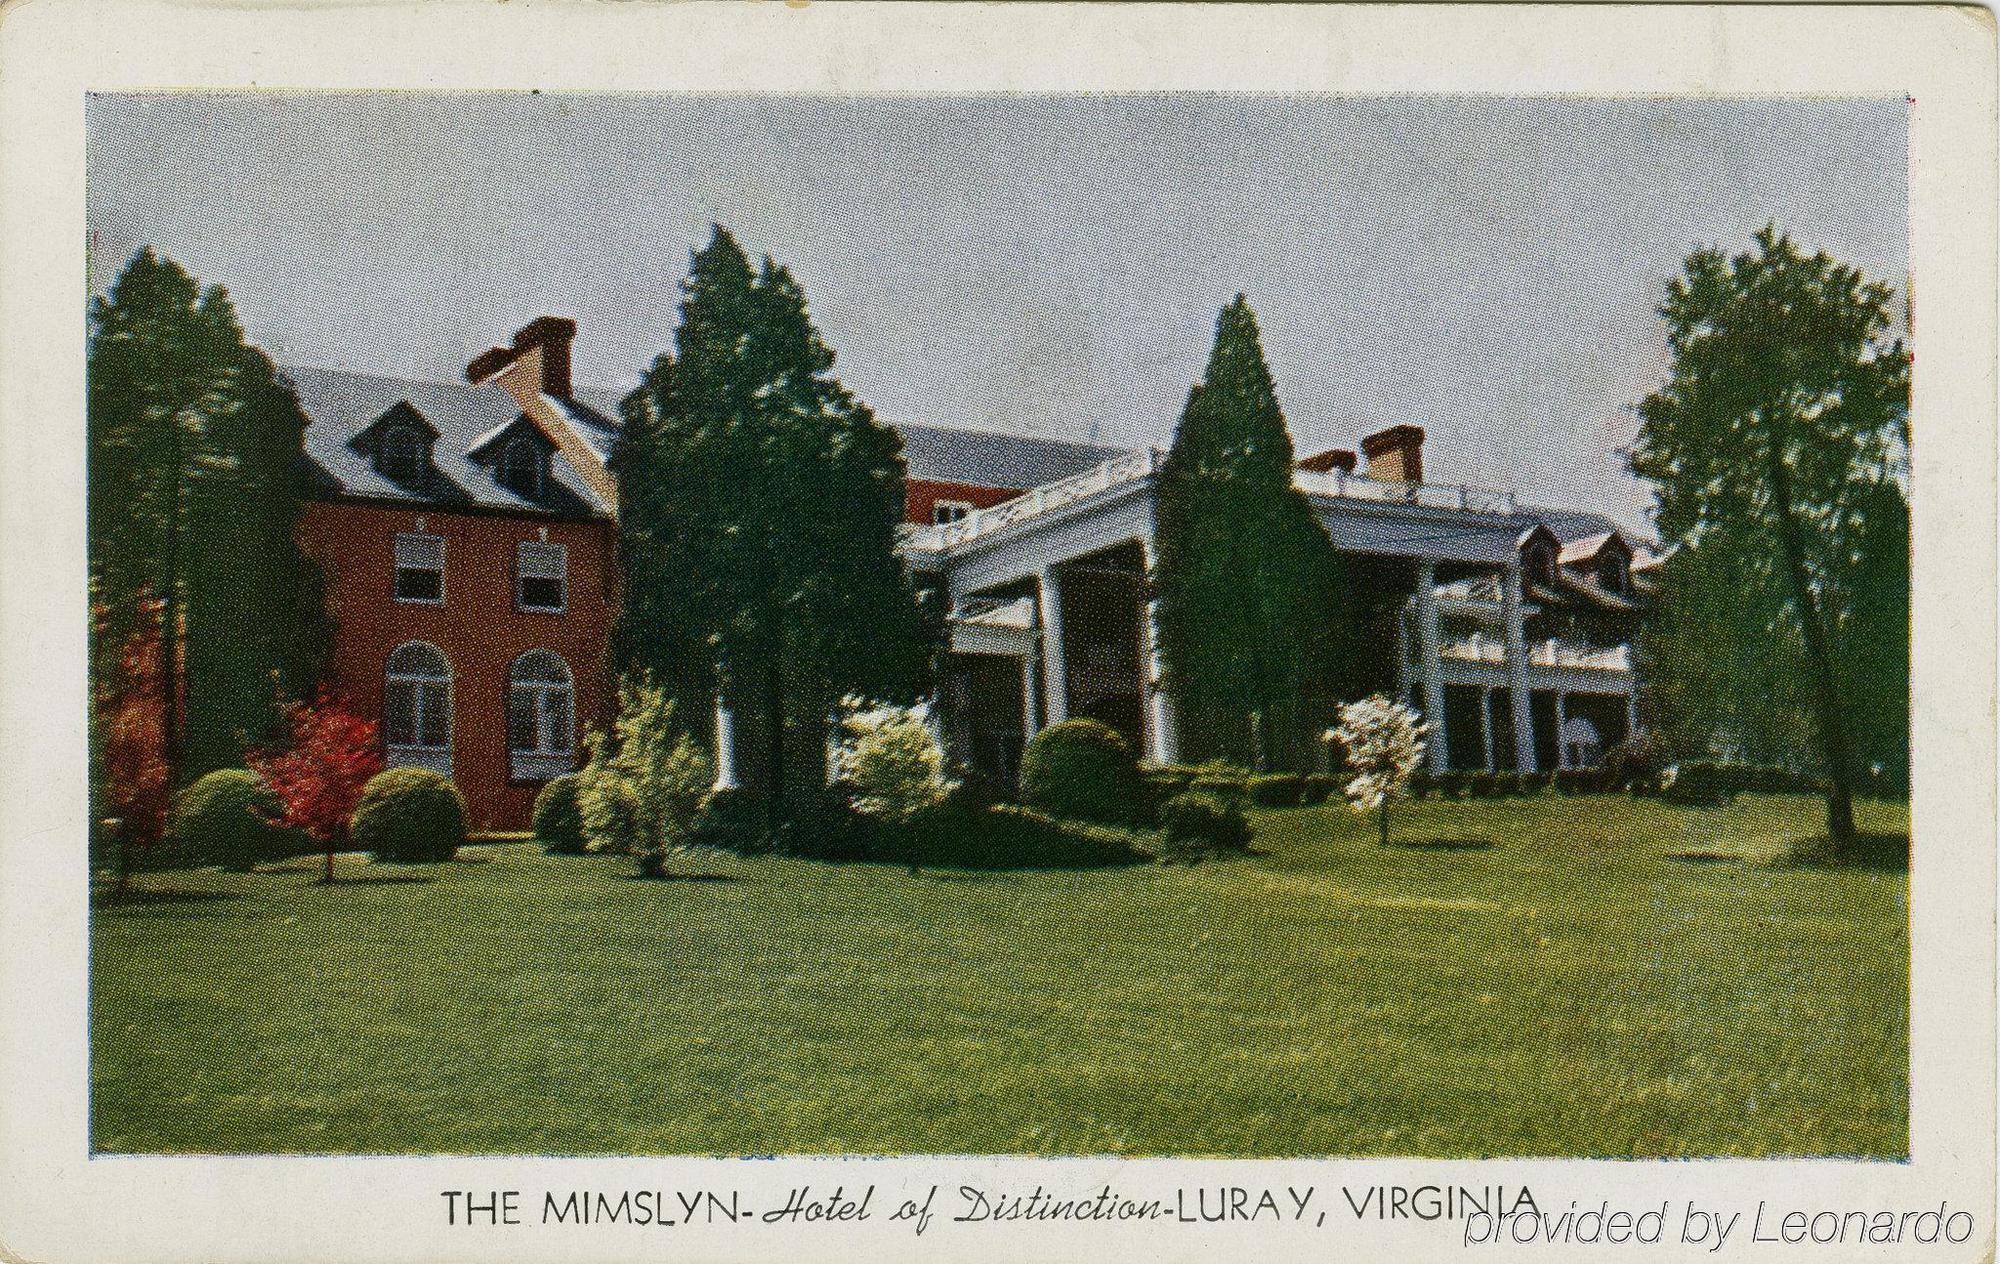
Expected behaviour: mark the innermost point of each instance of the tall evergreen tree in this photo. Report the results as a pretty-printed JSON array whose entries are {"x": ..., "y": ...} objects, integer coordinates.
[
  {"x": 195, "y": 484},
  {"x": 1777, "y": 438},
  {"x": 758, "y": 508},
  {"x": 1251, "y": 600}
]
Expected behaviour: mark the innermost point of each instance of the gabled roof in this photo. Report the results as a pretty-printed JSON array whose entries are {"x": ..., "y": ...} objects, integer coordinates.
[
  {"x": 340, "y": 405},
  {"x": 486, "y": 446},
  {"x": 984, "y": 458},
  {"x": 1578, "y": 552}
]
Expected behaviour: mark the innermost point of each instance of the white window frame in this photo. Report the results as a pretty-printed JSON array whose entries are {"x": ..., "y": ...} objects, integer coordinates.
[
  {"x": 397, "y": 567},
  {"x": 963, "y": 508},
  {"x": 522, "y": 572},
  {"x": 546, "y": 759},
  {"x": 416, "y": 754}
]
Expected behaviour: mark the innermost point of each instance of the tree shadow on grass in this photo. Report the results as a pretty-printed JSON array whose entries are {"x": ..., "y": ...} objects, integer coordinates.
[
  {"x": 1883, "y": 853},
  {"x": 682, "y": 877},
  {"x": 140, "y": 897},
  {"x": 1442, "y": 844},
  {"x": 376, "y": 880},
  {"x": 1702, "y": 857}
]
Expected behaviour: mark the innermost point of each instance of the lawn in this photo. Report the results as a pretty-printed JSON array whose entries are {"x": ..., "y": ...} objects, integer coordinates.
[{"x": 1611, "y": 977}]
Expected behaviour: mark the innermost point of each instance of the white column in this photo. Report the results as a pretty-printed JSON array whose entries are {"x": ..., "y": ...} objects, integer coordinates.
[
  {"x": 1403, "y": 653},
  {"x": 1562, "y": 718},
  {"x": 1031, "y": 697},
  {"x": 1055, "y": 677},
  {"x": 1427, "y": 648},
  {"x": 1162, "y": 739},
  {"x": 725, "y": 746},
  {"x": 1486, "y": 724},
  {"x": 1517, "y": 670}
]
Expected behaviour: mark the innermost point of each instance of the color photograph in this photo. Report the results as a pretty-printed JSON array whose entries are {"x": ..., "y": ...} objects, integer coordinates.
[{"x": 1255, "y": 625}]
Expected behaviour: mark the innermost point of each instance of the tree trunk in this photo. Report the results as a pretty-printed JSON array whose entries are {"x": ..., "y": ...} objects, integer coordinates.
[
  {"x": 1382, "y": 819},
  {"x": 774, "y": 745},
  {"x": 1834, "y": 746},
  {"x": 1259, "y": 758}
]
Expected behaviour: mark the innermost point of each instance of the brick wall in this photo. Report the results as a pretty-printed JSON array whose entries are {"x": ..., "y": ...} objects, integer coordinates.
[
  {"x": 477, "y": 627},
  {"x": 919, "y": 496}
]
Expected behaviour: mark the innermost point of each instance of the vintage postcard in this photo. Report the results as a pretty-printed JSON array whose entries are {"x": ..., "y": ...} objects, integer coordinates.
[{"x": 750, "y": 632}]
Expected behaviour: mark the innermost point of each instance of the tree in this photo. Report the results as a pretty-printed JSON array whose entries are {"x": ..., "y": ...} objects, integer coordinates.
[
  {"x": 319, "y": 771},
  {"x": 759, "y": 546},
  {"x": 1777, "y": 439},
  {"x": 1250, "y": 594},
  {"x": 645, "y": 781},
  {"x": 1383, "y": 742},
  {"x": 892, "y": 759},
  {"x": 195, "y": 483}
]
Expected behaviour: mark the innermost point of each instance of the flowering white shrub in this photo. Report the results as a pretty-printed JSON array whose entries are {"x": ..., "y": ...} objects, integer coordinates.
[
  {"x": 890, "y": 756},
  {"x": 1383, "y": 742}
]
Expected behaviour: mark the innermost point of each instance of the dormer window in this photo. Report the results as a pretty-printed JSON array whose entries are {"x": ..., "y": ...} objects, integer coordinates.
[
  {"x": 1541, "y": 564},
  {"x": 521, "y": 467},
  {"x": 404, "y": 454},
  {"x": 1613, "y": 573}
]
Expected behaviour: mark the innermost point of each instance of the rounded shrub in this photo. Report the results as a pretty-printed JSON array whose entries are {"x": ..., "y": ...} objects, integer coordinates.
[
  {"x": 409, "y": 816},
  {"x": 1276, "y": 790},
  {"x": 1081, "y": 769},
  {"x": 227, "y": 818},
  {"x": 1196, "y": 825},
  {"x": 558, "y": 819}
]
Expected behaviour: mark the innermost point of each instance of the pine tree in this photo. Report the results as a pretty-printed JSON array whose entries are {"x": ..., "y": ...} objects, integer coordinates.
[
  {"x": 1250, "y": 594},
  {"x": 758, "y": 530},
  {"x": 196, "y": 480},
  {"x": 1776, "y": 437}
]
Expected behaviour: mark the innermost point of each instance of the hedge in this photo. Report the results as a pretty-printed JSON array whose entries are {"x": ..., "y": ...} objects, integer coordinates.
[
  {"x": 227, "y": 818},
  {"x": 1276, "y": 790},
  {"x": 1195, "y": 825},
  {"x": 1082, "y": 769},
  {"x": 409, "y": 816},
  {"x": 558, "y": 821}
]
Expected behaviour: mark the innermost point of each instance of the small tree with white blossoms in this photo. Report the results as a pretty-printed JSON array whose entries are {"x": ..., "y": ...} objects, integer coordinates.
[
  {"x": 645, "y": 781},
  {"x": 892, "y": 759},
  {"x": 1384, "y": 743}
]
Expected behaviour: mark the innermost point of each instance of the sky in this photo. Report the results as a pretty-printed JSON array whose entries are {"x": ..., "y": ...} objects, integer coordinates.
[{"x": 1487, "y": 268}]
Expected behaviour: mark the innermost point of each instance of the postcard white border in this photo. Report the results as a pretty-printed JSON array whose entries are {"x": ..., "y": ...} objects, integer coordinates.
[{"x": 58, "y": 1205}]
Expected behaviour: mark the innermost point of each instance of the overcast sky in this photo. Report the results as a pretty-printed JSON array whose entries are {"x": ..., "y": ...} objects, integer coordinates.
[{"x": 1487, "y": 269}]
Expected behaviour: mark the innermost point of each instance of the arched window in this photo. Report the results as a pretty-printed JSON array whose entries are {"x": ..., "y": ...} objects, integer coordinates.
[
  {"x": 541, "y": 717},
  {"x": 416, "y": 708},
  {"x": 520, "y": 469},
  {"x": 402, "y": 457}
]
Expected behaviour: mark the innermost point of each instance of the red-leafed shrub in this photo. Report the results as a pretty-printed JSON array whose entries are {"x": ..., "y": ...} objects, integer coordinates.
[
  {"x": 318, "y": 774},
  {"x": 134, "y": 787}
]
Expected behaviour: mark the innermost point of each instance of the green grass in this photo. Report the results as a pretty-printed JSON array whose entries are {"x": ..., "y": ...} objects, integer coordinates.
[{"x": 1570, "y": 990}]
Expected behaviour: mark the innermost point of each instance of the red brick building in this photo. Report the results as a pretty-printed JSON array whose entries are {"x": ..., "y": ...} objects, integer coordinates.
[
  {"x": 467, "y": 532},
  {"x": 468, "y": 535}
]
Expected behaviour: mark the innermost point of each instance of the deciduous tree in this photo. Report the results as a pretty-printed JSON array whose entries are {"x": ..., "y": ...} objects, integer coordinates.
[{"x": 1774, "y": 448}]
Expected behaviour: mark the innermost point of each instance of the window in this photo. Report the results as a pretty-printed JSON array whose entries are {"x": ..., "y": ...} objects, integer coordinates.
[
  {"x": 541, "y": 717},
  {"x": 403, "y": 455},
  {"x": 420, "y": 568},
  {"x": 520, "y": 469},
  {"x": 943, "y": 511},
  {"x": 1611, "y": 571},
  {"x": 541, "y": 576},
  {"x": 1542, "y": 564},
  {"x": 416, "y": 708}
]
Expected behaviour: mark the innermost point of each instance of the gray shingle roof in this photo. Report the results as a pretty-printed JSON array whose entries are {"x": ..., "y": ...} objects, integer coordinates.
[{"x": 339, "y": 405}]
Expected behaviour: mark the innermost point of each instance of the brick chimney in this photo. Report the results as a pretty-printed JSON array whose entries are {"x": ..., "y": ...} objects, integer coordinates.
[
  {"x": 538, "y": 360},
  {"x": 1396, "y": 455},
  {"x": 1330, "y": 460}
]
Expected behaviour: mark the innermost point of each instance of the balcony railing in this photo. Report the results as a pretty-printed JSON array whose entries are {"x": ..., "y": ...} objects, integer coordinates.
[
  {"x": 1552, "y": 653},
  {"x": 1433, "y": 495},
  {"x": 1133, "y": 466}
]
